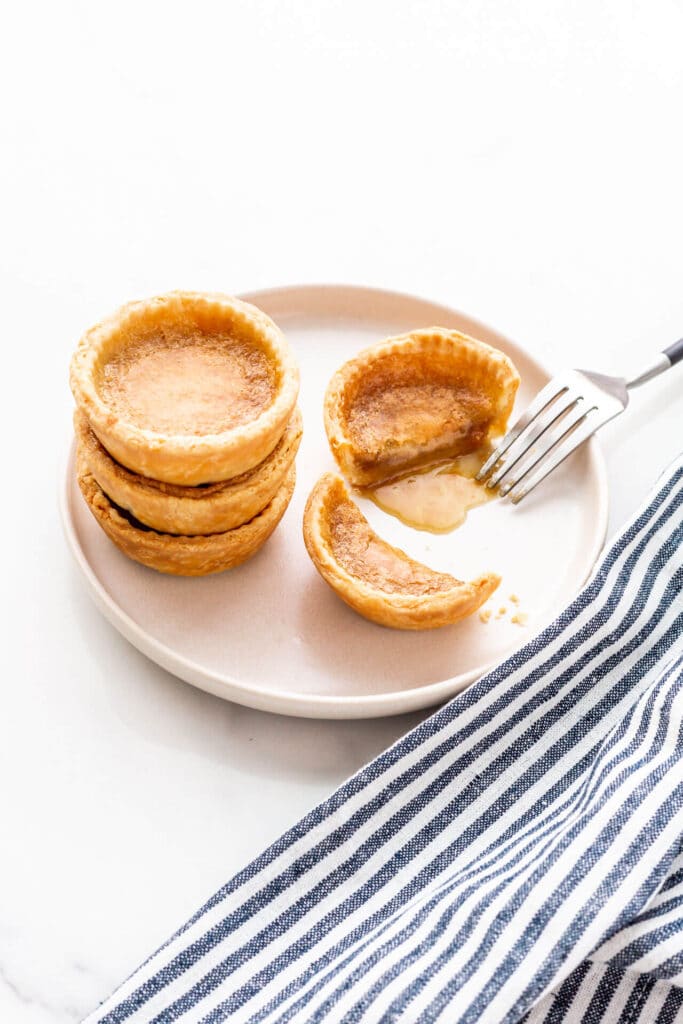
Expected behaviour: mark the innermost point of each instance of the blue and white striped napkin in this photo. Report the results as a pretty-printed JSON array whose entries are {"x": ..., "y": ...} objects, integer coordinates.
[{"x": 517, "y": 857}]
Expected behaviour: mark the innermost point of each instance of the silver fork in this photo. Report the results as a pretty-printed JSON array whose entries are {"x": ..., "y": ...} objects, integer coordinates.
[{"x": 570, "y": 408}]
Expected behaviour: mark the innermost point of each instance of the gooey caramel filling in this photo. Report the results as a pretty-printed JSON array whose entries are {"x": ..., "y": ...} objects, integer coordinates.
[
  {"x": 188, "y": 384},
  {"x": 436, "y": 499},
  {"x": 364, "y": 555},
  {"x": 406, "y": 426}
]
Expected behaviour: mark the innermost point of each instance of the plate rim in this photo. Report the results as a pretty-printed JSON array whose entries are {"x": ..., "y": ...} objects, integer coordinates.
[{"x": 288, "y": 702}]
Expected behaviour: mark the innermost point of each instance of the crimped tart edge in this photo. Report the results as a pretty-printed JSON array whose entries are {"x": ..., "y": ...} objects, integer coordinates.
[
  {"x": 170, "y": 508},
  {"x": 182, "y": 459},
  {"x": 185, "y": 555},
  {"x": 396, "y": 610},
  {"x": 418, "y": 341}
]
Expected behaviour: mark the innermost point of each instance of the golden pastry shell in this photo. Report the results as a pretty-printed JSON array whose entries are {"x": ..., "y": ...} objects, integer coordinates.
[
  {"x": 394, "y": 609},
  {"x": 170, "y": 508},
  {"x": 183, "y": 459},
  {"x": 182, "y": 555},
  {"x": 475, "y": 363}
]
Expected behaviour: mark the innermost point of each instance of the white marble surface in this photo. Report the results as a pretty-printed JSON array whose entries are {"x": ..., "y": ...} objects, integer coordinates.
[{"x": 519, "y": 161}]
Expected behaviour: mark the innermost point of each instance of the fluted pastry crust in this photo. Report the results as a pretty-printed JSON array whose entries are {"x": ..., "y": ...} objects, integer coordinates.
[
  {"x": 170, "y": 508},
  {"x": 183, "y": 555},
  {"x": 416, "y": 399},
  {"x": 377, "y": 580},
  {"x": 219, "y": 426}
]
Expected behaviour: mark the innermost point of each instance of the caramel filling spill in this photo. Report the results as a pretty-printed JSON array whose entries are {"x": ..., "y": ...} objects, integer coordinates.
[{"x": 436, "y": 499}]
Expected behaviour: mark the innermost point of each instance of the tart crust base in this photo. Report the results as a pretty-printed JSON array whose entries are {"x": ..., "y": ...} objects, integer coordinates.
[
  {"x": 379, "y": 581},
  {"x": 170, "y": 508},
  {"x": 184, "y": 555}
]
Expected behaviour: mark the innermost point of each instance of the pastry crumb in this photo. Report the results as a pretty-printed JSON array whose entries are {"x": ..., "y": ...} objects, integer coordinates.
[
  {"x": 485, "y": 614},
  {"x": 514, "y": 598},
  {"x": 520, "y": 619},
  {"x": 501, "y": 612}
]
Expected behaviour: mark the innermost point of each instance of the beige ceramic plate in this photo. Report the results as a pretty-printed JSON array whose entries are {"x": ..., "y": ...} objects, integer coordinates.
[{"x": 272, "y": 635}]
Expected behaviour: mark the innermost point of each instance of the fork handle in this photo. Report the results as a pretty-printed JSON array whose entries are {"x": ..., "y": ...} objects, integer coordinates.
[
  {"x": 664, "y": 361},
  {"x": 674, "y": 352}
]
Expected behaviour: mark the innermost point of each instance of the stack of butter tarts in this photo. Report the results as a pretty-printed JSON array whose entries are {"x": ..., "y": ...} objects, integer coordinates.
[{"x": 186, "y": 430}]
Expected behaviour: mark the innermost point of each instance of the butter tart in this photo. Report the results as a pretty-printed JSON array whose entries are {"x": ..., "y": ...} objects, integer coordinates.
[
  {"x": 415, "y": 400},
  {"x": 377, "y": 580},
  {"x": 170, "y": 508},
  {"x": 187, "y": 388},
  {"x": 183, "y": 555}
]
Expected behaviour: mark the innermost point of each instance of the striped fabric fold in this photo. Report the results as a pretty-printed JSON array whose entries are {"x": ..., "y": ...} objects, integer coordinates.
[
  {"x": 603, "y": 994},
  {"x": 517, "y": 856}
]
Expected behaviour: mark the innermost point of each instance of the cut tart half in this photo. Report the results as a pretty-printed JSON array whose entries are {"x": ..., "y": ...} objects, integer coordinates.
[
  {"x": 188, "y": 388},
  {"x": 377, "y": 580},
  {"x": 416, "y": 400},
  {"x": 183, "y": 555},
  {"x": 171, "y": 508}
]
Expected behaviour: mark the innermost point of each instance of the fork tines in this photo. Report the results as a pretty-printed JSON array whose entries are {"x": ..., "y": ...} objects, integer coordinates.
[{"x": 560, "y": 418}]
